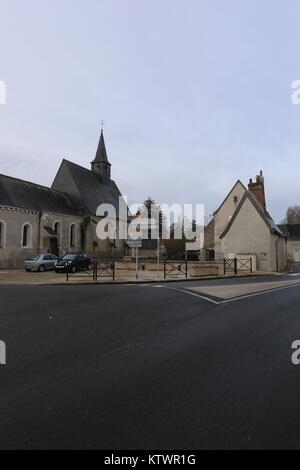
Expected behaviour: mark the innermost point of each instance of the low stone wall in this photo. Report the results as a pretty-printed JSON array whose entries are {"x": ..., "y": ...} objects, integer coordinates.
[
  {"x": 143, "y": 265},
  {"x": 198, "y": 271},
  {"x": 195, "y": 268},
  {"x": 125, "y": 265}
]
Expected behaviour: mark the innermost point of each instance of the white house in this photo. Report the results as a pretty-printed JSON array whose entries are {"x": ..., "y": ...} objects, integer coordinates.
[{"x": 242, "y": 227}]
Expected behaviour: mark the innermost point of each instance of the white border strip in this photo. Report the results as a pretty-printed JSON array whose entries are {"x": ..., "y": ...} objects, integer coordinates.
[
  {"x": 254, "y": 294},
  {"x": 195, "y": 295}
]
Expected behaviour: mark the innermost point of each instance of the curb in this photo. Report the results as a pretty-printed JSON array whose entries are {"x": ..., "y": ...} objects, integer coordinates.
[{"x": 134, "y": 282}]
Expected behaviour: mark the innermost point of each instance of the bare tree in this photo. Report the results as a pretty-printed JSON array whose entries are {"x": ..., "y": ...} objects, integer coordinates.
[
  {"x": 293, "y": 215},
  {"x": 152, "y": 209}
]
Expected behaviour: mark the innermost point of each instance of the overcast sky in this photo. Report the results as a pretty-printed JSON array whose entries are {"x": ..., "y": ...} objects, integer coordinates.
[{"x": 195, "y": 94}]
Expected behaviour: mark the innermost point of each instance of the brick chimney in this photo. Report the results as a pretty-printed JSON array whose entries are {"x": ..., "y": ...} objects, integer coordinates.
[{"x": 258, "y": 189}]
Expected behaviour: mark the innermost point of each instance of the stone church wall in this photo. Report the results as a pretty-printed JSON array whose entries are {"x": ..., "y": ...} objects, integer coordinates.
[
  {"x": 49, "y": 220},
  {"x": 12, "y": 253}
]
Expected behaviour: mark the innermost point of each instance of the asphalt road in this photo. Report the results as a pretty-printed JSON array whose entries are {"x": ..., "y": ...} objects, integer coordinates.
[{"x": 148, "y": 367}]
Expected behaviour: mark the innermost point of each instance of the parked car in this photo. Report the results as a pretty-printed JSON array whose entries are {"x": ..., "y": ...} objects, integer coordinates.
[
  {"x": 74, "y": 262},
  {"x": 41, "y": 263}
]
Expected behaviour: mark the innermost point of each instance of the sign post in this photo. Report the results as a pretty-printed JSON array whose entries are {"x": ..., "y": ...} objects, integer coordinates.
[
  {"x": 136, "y": 244},
  {"x": 137, "y": 263},
  {"x": 158, "y": 256}
]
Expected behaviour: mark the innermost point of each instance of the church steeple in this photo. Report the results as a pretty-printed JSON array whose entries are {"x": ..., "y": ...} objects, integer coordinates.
[{"x": 100, "y": 164}]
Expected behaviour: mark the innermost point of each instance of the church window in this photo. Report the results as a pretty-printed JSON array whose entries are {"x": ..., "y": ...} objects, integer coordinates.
[
  {"x": 57, "y": 230},
  {"x": 2, "y": 235},
  {"x": 26, "y": 236},
  {"x": 72, "y": 236}
]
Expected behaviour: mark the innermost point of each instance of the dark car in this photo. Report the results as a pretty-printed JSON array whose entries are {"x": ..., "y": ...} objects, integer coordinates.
[{"x": 73, "y": 262}]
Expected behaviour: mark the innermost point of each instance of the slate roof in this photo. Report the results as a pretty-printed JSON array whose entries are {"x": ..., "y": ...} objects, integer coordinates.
[
  {"x": 25, "y": 195},
  {"x": 101, "y": 154},
  {"x": 264, "y": 215},
  {"x": 292, "y": 231},
  {"x": 93, "y": 190},
  {"x": 284, "y": 229}
]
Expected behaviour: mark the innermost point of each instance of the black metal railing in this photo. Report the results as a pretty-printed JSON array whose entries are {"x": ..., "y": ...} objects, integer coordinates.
[
  {"x": 100, "y": 269},
  {"x": 175, "y": 268},
  {"x": 237, "y": 265},
  {"x": 104, "y": 269},
  {"x": 88, "y": 273}
]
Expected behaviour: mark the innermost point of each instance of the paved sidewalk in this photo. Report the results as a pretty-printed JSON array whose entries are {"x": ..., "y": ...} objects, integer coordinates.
[{"x": 21, "y": 277}]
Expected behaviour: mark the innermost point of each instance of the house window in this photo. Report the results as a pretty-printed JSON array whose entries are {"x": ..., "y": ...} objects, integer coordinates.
[
  {"x": 26, "y": 236},
  {"x": 2, "y": 235},
  {"x": 73, "y": 236}
]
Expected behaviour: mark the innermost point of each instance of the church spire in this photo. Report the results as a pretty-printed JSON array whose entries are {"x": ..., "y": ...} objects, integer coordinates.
[
  {"x": 101, "y": 155},
  {"x": 100, "y": 164}
]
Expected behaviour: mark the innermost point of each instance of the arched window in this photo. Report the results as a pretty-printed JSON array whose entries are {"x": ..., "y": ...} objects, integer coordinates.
[
  {"x": 57, "y": 230},
  {"x": 73, "y": 236},
  {"x": 27, "y": 236},
  {"x": 2, "y": 235}
]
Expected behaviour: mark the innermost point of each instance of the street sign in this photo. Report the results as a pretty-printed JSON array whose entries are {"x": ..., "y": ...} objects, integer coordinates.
[{"x": 135, "y": 243}]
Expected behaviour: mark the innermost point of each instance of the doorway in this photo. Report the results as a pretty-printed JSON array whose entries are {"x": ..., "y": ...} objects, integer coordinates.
[
  {"x": 54, "y": 246},
  {"x": 83, "y": 239}
]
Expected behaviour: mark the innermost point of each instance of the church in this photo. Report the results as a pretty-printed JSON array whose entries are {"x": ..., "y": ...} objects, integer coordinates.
[{"x": 36, "y": 219}]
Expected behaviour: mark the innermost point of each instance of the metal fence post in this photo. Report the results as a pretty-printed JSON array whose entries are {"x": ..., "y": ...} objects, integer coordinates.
[
  {"x": 235, "y": 266},
  {"x": 251, "y": 269},
  {"x": 165, "y": 269},
  {"x": 224, "y": 266},
  {"x": 114, "y": 270},
  {"x": 186, "y": 269}
]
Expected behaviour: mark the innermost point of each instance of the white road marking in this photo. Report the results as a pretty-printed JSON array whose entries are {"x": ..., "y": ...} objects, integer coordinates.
[
  {"x": 136, "y": 285},
  {"x": 193, "y": 294}
]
